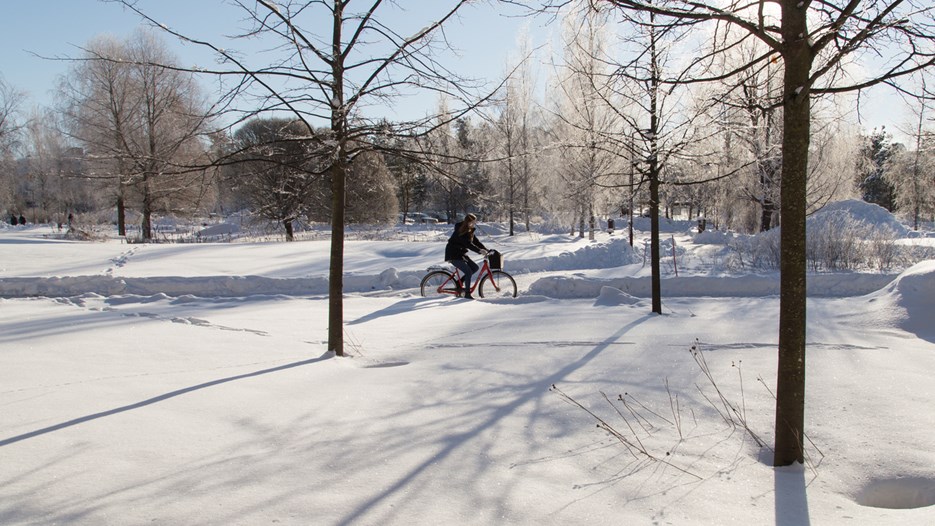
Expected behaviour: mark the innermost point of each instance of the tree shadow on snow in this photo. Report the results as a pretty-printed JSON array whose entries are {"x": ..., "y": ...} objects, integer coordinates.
[
  {"x": 404, "y": 306},
  {"x": 156, "y": 399},
  {"x": 520, "y": 395},
  {"x": 791, "y": 497}
]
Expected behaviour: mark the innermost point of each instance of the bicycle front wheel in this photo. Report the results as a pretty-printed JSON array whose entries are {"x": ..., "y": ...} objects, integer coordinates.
[
  {"x": 498, "y": 284},
  {"x": 438, "y": 283}
]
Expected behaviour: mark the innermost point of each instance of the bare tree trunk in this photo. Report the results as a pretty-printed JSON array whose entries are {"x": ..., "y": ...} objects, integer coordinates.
[
  {"x": 121, "y": 213},
  {"x": 766, "y": 214},
  {"x": 655, "y": 253},
  {"x": 591, "y": 221},
  {"x": 338, "y": 189},
  {"x": 336, "y": 273},
  {"x": 654, "y": 172},
  {"x": 147, "y": 212},
  {"x": 790, "y": 394}
]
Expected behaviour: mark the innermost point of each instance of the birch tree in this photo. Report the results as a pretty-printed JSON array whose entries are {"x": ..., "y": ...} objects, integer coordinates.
[
  {"x": 583, "y": 122},
  {"x": 516, "y": 136},
  {"x": 912, "y": 171}
]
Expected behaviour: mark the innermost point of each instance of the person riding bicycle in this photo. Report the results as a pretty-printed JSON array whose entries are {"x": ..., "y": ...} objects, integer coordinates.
[{"x": 462, "y": 240}]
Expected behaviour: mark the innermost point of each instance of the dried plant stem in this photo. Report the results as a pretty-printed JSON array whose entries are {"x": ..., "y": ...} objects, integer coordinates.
[
  {"x": 674, "y": 407},
  {"x": 631, "y": 446}
]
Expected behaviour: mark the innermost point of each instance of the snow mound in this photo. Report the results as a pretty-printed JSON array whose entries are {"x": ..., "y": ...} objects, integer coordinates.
[
  {"x": 713, "y": 237},
  {"x": 612, "y": 297},
  {"x": 220, "y": 229},
  {"x": 908, "y": 299},
  {"x": 863, "y": 212},
  {"x": 609, "y": 254}
]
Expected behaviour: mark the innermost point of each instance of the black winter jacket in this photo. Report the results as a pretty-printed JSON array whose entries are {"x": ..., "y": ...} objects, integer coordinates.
[{"x": 458, "y": 245}]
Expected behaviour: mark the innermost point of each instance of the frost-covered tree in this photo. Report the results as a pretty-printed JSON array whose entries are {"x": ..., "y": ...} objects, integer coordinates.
[
  {"x": 51, "y": 173},
  {"x": 141, "y": 121},
  {"x": 276, "y": 174},
  {"x": 10, "y": 126},
  {"x": 515, "y": 128},
  {"x": 582, "y": 122},
  {"x": 371, "y": 190},
  {"x": 912, "y": 172}
]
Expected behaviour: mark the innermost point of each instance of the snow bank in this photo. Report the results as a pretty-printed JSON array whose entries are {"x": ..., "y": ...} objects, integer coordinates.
[
  {"x": 201, "y": 286},
  {"x": 819, "y": 285},
  {"x": 616, "y": 252},
  {"x": 860, "y": 211},
  {"x": 907, "y": 300},
  {"x": 713, "y": 237}
]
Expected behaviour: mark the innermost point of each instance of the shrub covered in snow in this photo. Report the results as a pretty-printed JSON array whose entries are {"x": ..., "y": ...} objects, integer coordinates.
[{"x": 845, "y": 235}]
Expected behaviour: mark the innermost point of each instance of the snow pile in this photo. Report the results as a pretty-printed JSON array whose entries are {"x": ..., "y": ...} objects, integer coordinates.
[
  {"x": 713, "y": 237},
  {"x": 220, "y": 229},
  {"x": 907, "y": 300},
  {"x": 869, "y": 214},
  {"x": 611, "y": 297},
  {"x": 818, "y": 285},
  {"x": 615, "y": 252}
]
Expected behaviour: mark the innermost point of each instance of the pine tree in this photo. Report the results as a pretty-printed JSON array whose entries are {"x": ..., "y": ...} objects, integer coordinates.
[{"x": 876, "y": 153}]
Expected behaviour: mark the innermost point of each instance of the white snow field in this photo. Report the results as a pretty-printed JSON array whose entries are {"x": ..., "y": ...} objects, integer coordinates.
[{"x": 191, "y": 384}]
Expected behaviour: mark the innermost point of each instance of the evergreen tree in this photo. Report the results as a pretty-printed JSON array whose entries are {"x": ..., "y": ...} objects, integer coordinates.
[{"x": 876, "y": 153}]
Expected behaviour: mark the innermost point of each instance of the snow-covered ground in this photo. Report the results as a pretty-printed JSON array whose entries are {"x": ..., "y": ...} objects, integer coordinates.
[{"x": 190, "y": 384}]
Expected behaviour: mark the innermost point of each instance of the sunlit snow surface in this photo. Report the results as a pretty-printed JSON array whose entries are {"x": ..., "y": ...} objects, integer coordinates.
[{"x": 191, "y": 384}]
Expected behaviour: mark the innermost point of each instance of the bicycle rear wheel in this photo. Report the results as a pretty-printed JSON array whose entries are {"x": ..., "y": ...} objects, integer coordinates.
[
  {"x": 498, "y": 284},
  {"x": 434, "y": 281}
]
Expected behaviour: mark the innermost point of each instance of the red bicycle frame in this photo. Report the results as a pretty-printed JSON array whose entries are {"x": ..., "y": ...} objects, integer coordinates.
[{"x": 456, "y": 277}]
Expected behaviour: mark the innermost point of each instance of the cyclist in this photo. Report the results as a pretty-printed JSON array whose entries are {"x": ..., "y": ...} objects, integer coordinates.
[{"x": 462, "y": 240}]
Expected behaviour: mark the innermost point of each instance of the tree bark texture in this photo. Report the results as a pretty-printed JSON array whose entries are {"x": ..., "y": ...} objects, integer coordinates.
[
  {"x": 790, "y": 388},
  {"x": 338, "y": 189}
]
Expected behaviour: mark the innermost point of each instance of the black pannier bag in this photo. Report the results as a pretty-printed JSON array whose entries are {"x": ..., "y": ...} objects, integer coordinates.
[{"x": 495, "y": 260}]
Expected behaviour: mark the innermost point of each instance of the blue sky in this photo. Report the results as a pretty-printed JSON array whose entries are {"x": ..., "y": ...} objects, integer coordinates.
[{"x": 57, "y": 28}]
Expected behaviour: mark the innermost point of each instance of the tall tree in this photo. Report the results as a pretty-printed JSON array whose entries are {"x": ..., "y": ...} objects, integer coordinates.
[
  {"x": 875, "y": 155},
  {"x": 96, "y": 105},
  {"x": 914, "y": 171},
  {"x": 330, "y": 62},
  {"x": 142, "y": 122},
  {"x": 515, "y": 129},
  {"x": 583, "y": 122},
  {"x": 10, "y": 127},
  {"x": 814, "y": 40},
  {"x": 276, "y": 174}
]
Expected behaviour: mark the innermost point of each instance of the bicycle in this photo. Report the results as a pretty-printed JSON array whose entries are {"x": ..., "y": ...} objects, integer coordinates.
[{"x": 492, "y": 281}]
